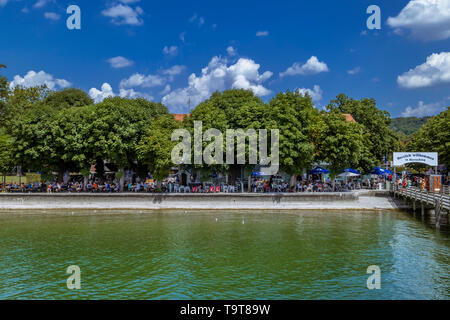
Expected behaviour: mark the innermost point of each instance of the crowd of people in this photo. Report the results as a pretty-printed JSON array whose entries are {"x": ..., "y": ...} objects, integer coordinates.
[{"x": 140, "y": 186}]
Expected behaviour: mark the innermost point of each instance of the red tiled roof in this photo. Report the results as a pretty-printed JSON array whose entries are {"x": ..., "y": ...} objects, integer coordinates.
[
  {"x": 180, "y": 116},
  {"x": 349, "y": 117}
]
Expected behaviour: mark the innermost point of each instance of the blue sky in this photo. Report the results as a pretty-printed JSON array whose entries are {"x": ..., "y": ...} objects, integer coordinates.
[{"x": 177, "y": 51}]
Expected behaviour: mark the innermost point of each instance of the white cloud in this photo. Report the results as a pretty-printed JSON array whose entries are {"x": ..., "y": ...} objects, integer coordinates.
[
  {"x": 354, "y": 70},
  {"x": 140, "y": 80},
  {"x": 170, "y": 51},
  {"x": 423, "y": 109},
  {"x": 425, "y": 19},
  {"x": 218, "y": 76},
  {"x": 106, "y": 91},
  {"x": 200, "y": 20},
  {"x": 166, "y": 90},
  {"x": 315, "y": 93},
  {"x": 231, "y": 51},
  {"x": 52, "y": 16},
  {"x": 435, "y": 71},
  {"x": 123, "y": 14},
  {"x": 312, "y": 66},
  {"x": 173, "y": 71},
  {"x": 262, "y": 33},
  {"x": 32, "y": 79},
  {"x": 120, "y": 62},
  {"x": 41, "y": 3}
]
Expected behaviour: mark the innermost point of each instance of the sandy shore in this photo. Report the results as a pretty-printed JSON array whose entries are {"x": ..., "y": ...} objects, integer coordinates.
[{"x": 358, "y": 200}]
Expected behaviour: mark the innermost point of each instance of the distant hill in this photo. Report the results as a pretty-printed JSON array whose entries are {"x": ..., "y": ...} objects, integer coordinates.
[{"x": 408, "y": 125}]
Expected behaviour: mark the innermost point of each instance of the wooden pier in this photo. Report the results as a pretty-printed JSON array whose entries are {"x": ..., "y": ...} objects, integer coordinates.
[{"x": 439, "y": 201}]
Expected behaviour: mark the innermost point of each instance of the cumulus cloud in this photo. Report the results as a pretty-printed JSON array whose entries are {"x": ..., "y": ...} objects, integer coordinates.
[
  {"x": 120, "y": 62},
  {"x": 140, "y": 80},
  {"x": 435, "y": 71},
  {"x": 425, "y": 19},
  {"x": 231, "y": 51},
  {"x": 170, "y": 51},
  {"x": 173, "y": 71},
  {"x": 423, "y": 109},
  {"x": 106, "y": 91},
  {"x": 52, "y": 16},
  {"x": 33, "y": 79},
  {"x": 262, "y": 33},
  {"x": 315, "y": 93},
  {"x": 124, "y": 14},
  {"x": 218, "y": 76},
  {"x": 312, "y": 66}
]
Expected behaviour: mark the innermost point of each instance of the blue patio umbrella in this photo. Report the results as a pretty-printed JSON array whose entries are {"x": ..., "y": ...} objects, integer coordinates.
[
  {"x": 386, "y": 171},
  {"x": 257, "y": 173},
  {"x": 378, "y": 171},
  {"x": 319, "y": 170}
]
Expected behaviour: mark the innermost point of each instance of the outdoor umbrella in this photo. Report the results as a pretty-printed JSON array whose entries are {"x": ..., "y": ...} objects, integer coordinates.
[
  {"x": 348, "y": 174},
  {"x": 377, "y": 171},
  {"x": 352, "y": 171},
  {"x": 257, "y": 174},
  {"x": 319, "y": 170}
]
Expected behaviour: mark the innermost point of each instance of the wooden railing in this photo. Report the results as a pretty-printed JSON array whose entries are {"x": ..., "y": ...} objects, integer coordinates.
[{"x": 441, "y": 199}]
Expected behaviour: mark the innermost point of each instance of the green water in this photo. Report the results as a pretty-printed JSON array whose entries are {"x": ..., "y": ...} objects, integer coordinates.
[{"x": 211, "y": 255}]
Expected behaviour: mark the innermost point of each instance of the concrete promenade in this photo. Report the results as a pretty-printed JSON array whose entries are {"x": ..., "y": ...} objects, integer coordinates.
[{"x": 357, "y": 200}]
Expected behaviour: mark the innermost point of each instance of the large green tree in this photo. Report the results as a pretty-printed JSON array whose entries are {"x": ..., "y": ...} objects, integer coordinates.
[
  {"x": 375, "y": 122},
  {"x": 298, "y": 122},
  {"x": 155, "y": 147},
  {"x": 434, "y": 136},
  {"x": 343, "y": 144},
  {"x": 231, "y": 109},
  {"x": 117, "y": 127}
]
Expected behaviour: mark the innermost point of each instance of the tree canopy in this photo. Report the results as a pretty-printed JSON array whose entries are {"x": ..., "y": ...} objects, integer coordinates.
[{"x": 434, "y": 136}]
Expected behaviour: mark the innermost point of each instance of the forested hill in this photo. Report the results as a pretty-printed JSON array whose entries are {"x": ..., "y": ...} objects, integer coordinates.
[{"x": 408, "y": 125}]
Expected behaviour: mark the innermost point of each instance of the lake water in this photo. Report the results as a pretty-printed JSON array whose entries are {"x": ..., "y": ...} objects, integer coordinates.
[{"x": 223, "y": 255}]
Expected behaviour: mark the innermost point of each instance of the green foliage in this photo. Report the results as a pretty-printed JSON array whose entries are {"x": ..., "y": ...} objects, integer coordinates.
[
  {"x": 344, "y": 143},
  {"x": 434, "y": 136},
  {"x": 375, "y": 123},
  {"x": 68, "y": 98},
  {"x": 155, "y": 147},
  {"x": 407, "y": 125},
  {"x": 5, "y": 153},
  {"x": 19, "y": 101},
  {"x": 297, "y": 120},
  {"x": 117, "y": 126}
]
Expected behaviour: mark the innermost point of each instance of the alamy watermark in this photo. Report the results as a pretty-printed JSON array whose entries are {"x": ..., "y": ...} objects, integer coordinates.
[
  {"x": 74, "y": 280},
  {"x": 374, "y": 21},
  {"x": 374, "y": 280},
  {"x": 213, "y": 153}
]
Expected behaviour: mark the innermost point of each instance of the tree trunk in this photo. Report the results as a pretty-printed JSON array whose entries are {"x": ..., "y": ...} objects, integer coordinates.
[
  {"x": 61, "y": 170},
  {"x": 249, "y": 184},
  {"x": 122, "y": 179},
  {"x": 234, "y": 170},
  {"x": 293, "y": 182}
]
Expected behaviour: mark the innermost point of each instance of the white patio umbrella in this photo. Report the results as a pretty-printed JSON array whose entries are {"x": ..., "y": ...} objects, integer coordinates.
[{"x": 348, "y": 174}]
